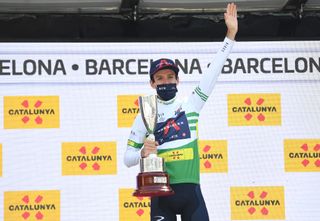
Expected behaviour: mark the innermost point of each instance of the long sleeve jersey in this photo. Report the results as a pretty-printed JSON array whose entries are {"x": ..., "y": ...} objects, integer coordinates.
[{"x": 176, "y": 129}]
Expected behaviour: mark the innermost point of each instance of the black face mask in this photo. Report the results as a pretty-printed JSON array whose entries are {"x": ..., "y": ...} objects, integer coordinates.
[{"x": 167, "y": 91}]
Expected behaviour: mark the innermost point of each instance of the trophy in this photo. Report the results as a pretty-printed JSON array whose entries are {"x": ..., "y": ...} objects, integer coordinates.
[{"x": 152, "y": 180}]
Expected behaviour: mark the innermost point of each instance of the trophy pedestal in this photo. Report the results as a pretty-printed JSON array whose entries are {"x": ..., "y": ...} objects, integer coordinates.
[{"x": 153, "y": 184}]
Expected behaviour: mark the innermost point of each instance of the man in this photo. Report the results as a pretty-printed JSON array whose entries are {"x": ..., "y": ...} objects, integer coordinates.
[{"x": 176, "y": 133}]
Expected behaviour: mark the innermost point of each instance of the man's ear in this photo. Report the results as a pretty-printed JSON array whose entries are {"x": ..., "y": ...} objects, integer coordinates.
[
  {"x": 152, "y": 84},
  {"x": 178, "y": 80}
]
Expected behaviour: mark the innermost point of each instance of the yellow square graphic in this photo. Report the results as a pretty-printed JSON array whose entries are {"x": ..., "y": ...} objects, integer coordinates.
[
  {"x": 32, "y": 205},
  {"x": 257, "y": 203},
  {"x": 89, "y": 158},
  {"x": 302, "y": 155},
  {"x": 128, "y": 108},
  {"x": 254, "y": 109},
  {"x": 133, "y": 208},
  {"x": 24, "y": 112},
  {"x": 0, "y": 160},
  {"x": 213, "y": 156}
]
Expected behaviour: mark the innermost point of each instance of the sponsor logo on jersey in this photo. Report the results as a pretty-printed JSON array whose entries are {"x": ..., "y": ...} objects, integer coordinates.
[
  {"x": 173, "y": 129},
  {"x": 302, "y": 155},
  {"x": 32, "y": 205},
  {"x": 257, "y": 203},
  {"x": 89, "y": 158},
  {"x": 133, "y": 208},
  {"x": 254, "y": 109},
  {"x": 21, "y": 112},
  {"x": 177, "y": 154}
]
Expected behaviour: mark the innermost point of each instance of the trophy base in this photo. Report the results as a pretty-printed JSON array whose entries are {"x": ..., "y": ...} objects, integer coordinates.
[{"x": 153, "y": 184}]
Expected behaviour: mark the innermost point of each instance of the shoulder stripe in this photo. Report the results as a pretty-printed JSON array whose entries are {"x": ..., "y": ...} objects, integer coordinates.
[
  {"x": 200, "y": 94},
  {"x": 193, "y": 128},
  {"x": 193, "y": 121},
  {"x": 203, "y": 94},
  {"x": 131, "y": 143},
  {"x": 192, "y": 114}
]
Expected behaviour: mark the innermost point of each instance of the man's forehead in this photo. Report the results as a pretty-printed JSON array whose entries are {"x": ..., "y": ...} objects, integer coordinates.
[{"x": 165, "y": 72}]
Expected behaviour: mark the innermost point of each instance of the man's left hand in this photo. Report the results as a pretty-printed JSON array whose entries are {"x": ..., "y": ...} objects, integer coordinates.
[{"x": 231, "y": 20}]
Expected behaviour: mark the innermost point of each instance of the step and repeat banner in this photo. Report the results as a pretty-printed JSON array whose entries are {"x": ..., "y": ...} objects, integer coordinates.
[{"x": 66, "y": 110}]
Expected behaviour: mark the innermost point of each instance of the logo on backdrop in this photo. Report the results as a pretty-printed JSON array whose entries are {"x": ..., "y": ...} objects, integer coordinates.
[
  {"x": 254, "y": 109},
  {"x": 257, "y": 203},
  {"x": 32, "y": 205},
  {"x": 302, "y": 155},
  {"x": 128, "y": 108},
  {"x": 0, "y": 160},
  {"x": 89, "y": 158},
  {"x": 213, "y": 156},
  {"x": 22, "y": 112},
  {"x": 272, "y": 65},
  {"x": 133, "y": 208}
]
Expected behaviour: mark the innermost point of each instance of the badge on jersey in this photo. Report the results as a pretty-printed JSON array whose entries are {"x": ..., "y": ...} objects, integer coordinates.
[{"x": 173, "y": 129}]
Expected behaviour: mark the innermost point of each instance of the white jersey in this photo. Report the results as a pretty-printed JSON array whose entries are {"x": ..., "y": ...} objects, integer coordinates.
[{"x": 176, "y": 130}]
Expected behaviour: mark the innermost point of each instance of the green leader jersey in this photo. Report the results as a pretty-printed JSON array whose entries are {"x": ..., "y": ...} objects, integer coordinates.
[{"x": 176, "y": 129}]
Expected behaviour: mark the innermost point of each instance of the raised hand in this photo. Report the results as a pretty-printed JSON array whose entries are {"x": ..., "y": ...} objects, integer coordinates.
[{"x": 231, "y": 20}]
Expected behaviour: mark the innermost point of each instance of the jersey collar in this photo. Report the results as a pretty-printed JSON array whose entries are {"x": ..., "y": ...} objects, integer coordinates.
[{"x": 166, "y": 102}]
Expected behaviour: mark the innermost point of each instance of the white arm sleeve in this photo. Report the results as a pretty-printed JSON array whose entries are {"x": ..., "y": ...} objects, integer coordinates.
[
  {"x": 135, "y": 142},
  {"x": 203, "y": 90},
  {"x": 132, "y": 156}
]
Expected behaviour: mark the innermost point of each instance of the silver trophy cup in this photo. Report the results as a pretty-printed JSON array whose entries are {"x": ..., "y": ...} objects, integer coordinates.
[{"x": 152, "y": 180}]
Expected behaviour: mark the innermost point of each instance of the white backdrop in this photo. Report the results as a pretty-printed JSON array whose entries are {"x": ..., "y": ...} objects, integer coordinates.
[{"x": 31, "y": 158}]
